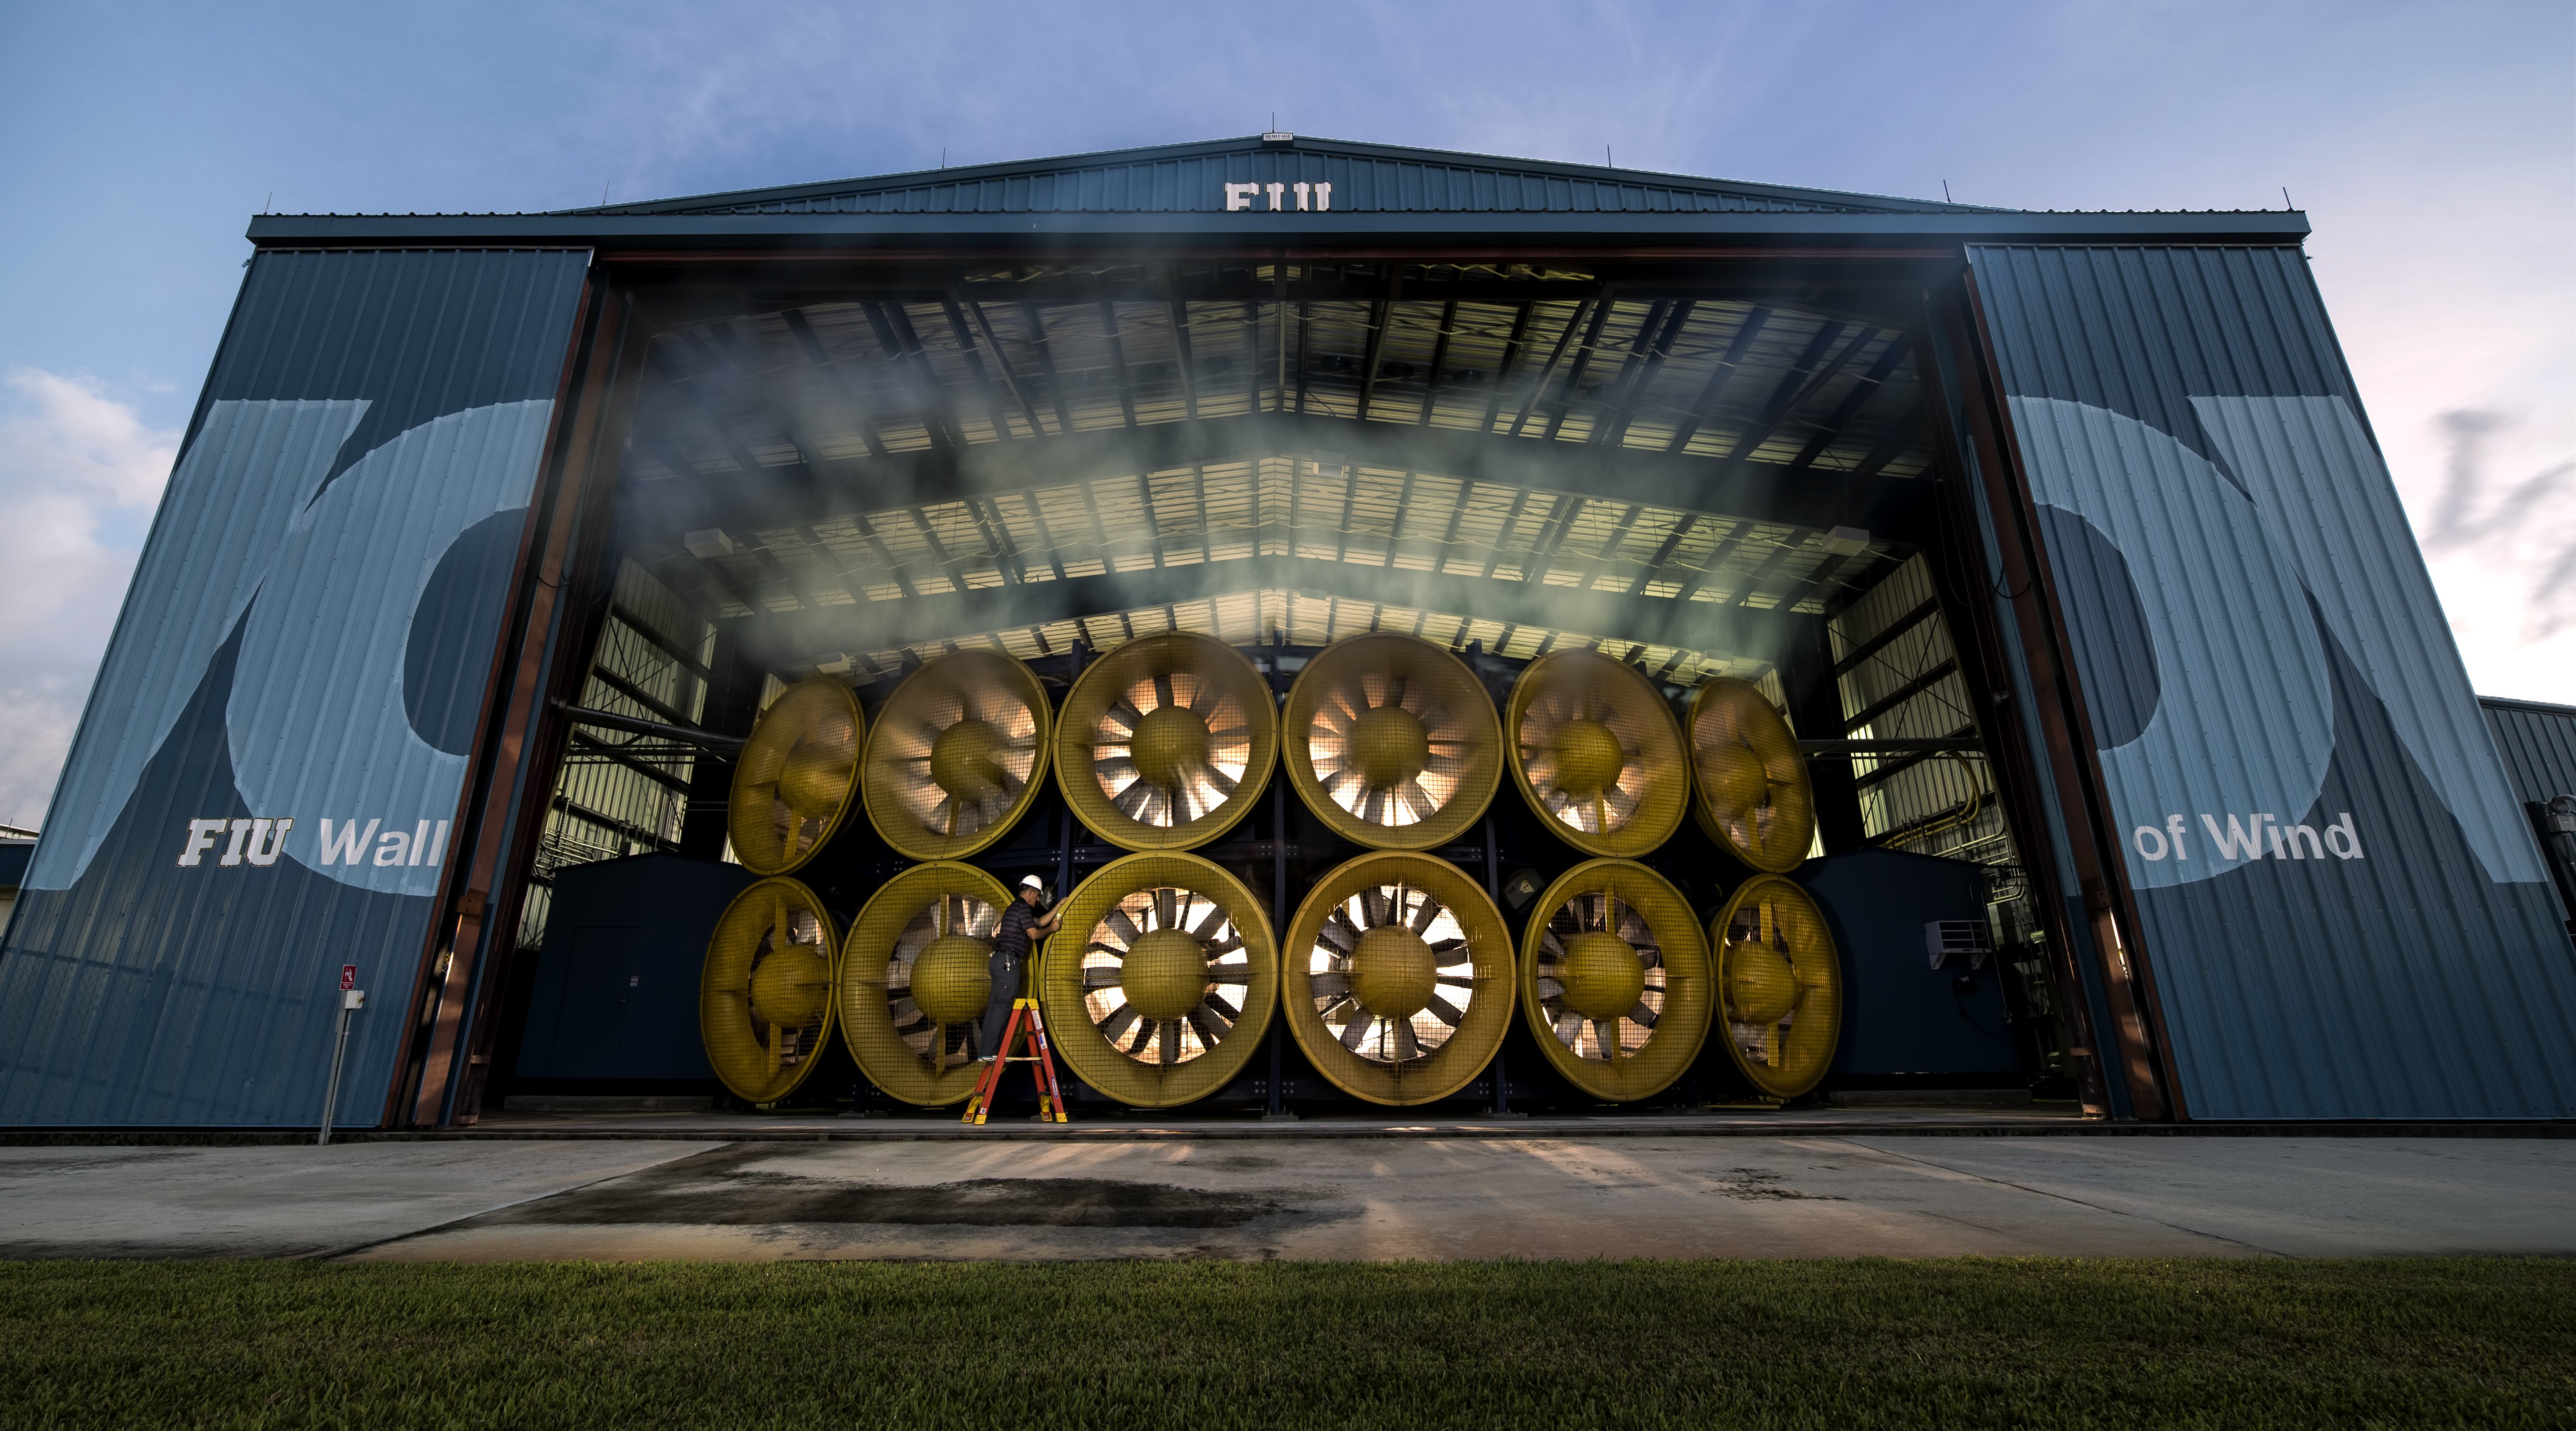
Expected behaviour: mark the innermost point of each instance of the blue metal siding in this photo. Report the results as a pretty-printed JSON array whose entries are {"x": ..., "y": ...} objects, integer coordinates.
[
  {"x": 292, "y": 652},
  {"x": 2538, "y": 743},
  {"x": 2204, "y": 476}
]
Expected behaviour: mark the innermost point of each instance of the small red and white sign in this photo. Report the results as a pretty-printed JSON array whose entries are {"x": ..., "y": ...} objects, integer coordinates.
[{"x": 348, "y": 976}]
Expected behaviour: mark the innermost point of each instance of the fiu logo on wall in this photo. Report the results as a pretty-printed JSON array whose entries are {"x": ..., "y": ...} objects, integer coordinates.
[
  {"x": 260, "y": 842},
  {"x": 2239, "y": 842},
  {"x": 1314, "y": 198}
]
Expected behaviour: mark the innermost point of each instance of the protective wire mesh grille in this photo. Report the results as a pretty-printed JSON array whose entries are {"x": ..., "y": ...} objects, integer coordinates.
[
  {"x": 1614, "y": 977},
  {"x": 1750, "y": 790},
  {"x": 765, "y": 994},
  {"x": 958, "y": 754},
  {"x": 1598, "y": 753},
  {"x": 1781, "y": 986},
  {"x": 914, "y": 979},
  {"x": 1397, "y": 980},
  {"x": 795, "y": 781},
  {"x": 1166, "y": 742},
  {"x": 1392, "y": 741},
  {"x": 1159, "y": 984}
]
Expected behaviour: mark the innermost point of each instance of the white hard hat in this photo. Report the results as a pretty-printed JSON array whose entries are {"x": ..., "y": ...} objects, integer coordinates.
[{"x": 1031, "y": 882}]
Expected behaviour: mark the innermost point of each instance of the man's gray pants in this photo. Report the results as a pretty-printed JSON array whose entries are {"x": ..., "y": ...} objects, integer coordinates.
[{"x": 1006, "y": 970}]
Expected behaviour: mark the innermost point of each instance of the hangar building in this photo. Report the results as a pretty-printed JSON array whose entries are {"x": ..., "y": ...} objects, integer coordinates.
[{"x": 2060, "y": 541}]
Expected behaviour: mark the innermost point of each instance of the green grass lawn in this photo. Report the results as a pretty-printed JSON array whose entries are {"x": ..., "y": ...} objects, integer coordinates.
[{"x": 1146, "y": 1346}]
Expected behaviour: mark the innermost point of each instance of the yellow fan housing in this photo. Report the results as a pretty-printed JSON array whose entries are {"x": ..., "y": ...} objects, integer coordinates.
[
  {"x": 1780, "y": 986},
  {"x": 1397, "y": 979},
  {"x": 957, "y": 756},
  {"x": 1750, "y": 790},
  {"x": 765, "y": 995},
  {"x": 914, "y": 979},
  {"x": 1392, "y": 741},
  {"x": 1166, "y": 741},
  {"x": 1615, "y": 980},
  {"x": 1160, "y": 983},
  {"x": 797, "y": 777},
  {"x": 1598, "y": 753}
]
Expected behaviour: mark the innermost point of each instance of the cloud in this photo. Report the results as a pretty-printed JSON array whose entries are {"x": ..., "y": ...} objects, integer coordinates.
[
  {"x": 80, "y": 474},
  {"x": 2499, "y": 533}
]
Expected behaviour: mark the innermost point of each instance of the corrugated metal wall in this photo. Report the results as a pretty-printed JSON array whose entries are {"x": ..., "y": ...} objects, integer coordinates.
[
  {"x": 2344, "y": 911},
  {"x": 262, "y": 785},
  {"x": 2538, "y": 743}
]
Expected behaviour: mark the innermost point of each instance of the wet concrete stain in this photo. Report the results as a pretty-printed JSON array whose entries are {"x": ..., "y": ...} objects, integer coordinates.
[
  {"x": 1761, "y": 1185},
  {"x": 714, "y": 1189}
]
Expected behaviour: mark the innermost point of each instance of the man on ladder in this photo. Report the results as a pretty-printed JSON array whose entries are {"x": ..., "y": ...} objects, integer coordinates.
[{"x": 1008, "y": 965}]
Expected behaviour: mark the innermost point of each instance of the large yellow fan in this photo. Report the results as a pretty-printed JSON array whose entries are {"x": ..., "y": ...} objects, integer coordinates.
[
  {"x": 1598, "y": 753},
  {"x": 765, "y": 994},
  {"x": 1159, "y": 984},
  {"x": 1397, "y": 978},
  {"x": 796, "y": 778},
  {"x": 914, "y": 979},
  {"x": 1614, "y": 977},
  {"x": 957, "y": 756},
  {"x": 1780, "y": 986},
  {"x": 1166, "y": 741},
  {"x": 1751, "y": 793},
  {"x": 1392, "y": 741}
]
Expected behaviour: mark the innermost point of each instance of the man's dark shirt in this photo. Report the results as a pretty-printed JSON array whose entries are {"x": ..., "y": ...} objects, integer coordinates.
[{"x": 1013, "y": 937}]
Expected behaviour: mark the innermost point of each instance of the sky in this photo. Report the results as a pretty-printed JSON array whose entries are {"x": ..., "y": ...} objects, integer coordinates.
[{"x": 2433, "y": 146}]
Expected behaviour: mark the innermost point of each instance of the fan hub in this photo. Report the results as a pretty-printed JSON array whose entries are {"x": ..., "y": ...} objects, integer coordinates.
[
  {"x": 814, "y": 779},
  {"x": 964, "y": 760},
  {"x": 1602, "y": 975},
  {"x": 1164, "y": 974},
  {"x": 1170, "y": 746},
  {"x": 1394, "y": 972},
  {"x": 1761, "y": 986},
  {"x": 790, "y": 987},
  {"x": 952, "y": 978},
  {"x": 1735, "y": 778},
  {"x": 1388, "y": 746},
  {"x": 1588, "y": 758}
]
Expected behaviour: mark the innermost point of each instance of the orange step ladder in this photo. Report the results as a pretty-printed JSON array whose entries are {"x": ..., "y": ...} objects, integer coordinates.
[{"x": 1025, "y": 1019}]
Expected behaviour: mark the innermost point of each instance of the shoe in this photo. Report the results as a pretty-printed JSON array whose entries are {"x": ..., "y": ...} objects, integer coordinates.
[{"x": 988, "y": 1058}]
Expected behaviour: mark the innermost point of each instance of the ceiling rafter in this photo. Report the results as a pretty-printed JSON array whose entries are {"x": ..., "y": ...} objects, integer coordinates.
[
  {"x": 1704, "y": 406},
  {"x": 1567, "y": 395}
]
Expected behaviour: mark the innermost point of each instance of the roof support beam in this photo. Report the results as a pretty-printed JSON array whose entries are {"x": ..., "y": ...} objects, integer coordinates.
[
  {"x": 1439, "y": 361},
  {"x": 1118, "y": 359},
  {"x": 1639, "y": 375},
  {"x": 1705, "y": 406},
  {"x": 1380, "y": 310},
  {"x": 1849, "y": 408},
  {"x": 1036, "y": 319},
  {"x": 1182, "y": 358},
  {"x": 903, "y": 349},
  {"x": 821, "y": 358},
  {"x": 1582, "y": 360},
  {"x": 1538, "y": 385},
  {"x": 1010, "y": 379},
  {"x": 1818, "y": 500},
  {"x": 791, "y": 636},
  {"x": 1503, "y": 369},
  {"x": 1804, "y": 379}
]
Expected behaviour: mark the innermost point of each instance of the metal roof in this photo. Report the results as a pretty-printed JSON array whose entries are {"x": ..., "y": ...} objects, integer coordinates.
[
  {"x": 1263, "y": 189},
  {"x": 1191, "y": 178}
]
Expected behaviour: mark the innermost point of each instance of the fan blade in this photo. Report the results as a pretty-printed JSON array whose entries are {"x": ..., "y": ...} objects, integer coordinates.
[{"x": 1118, "y": 1021}]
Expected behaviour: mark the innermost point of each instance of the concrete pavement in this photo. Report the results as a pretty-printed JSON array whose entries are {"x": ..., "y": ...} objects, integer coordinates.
[{"x": 1433, "y": 1197}]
